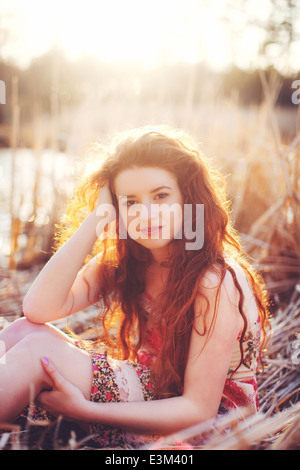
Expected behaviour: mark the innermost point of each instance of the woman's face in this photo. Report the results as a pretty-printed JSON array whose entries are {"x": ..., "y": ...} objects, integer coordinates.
[{"x": 150, "y": 205}]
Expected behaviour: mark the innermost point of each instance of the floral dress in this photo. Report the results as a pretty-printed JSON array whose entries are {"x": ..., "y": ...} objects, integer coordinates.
[
  {"x": 125, "y": 381},
  {"x": 116, "y": 380}
]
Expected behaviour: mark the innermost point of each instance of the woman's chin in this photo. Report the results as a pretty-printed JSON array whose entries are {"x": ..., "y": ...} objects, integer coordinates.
[{"x": 152, "y": 242}]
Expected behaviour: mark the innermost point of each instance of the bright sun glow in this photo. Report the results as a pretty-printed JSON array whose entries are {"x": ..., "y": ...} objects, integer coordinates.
[{"x": 137, "y": 30}]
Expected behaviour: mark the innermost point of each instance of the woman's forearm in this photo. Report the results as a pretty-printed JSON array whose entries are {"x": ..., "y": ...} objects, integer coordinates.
[
  {"x": 48, "y": 298},
  {"x": 163, "y": 416}
]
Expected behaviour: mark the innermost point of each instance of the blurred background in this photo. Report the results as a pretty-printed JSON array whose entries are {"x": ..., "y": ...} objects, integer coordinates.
[{"x": 75, "y": 73}]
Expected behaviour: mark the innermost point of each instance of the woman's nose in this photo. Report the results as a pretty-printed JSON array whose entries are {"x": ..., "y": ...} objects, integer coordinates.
[{"x": 145, "y": 211}]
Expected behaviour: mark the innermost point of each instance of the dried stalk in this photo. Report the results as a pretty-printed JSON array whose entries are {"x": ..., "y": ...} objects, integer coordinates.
[{"x": 14, "y": 144}]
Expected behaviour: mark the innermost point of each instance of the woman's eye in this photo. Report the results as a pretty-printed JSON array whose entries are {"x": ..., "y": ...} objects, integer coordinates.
[
  {"x": 162, "y": 195},
  {"x": 129, "y": 203}
]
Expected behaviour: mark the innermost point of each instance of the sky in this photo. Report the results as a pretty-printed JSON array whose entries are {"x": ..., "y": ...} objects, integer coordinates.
[{"x": 149, "y": 32}]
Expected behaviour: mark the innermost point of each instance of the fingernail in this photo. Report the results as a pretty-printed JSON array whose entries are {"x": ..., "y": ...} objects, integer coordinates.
[{"x": 45, "y": 360}]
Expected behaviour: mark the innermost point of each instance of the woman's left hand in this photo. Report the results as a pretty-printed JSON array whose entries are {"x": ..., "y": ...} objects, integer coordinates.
[{"x": 65, "y": 398}]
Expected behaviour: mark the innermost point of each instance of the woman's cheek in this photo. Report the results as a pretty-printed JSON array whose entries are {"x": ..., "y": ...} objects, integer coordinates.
[
  {"x": 173, "y": 218},
  {"x": 129, "y": 223}
]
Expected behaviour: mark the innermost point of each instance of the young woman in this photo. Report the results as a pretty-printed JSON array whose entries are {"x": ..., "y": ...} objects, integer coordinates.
[{"x": 183, "y": 314}]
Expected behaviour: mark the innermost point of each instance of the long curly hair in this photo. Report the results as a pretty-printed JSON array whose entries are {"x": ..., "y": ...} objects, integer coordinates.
[{"x": 123, "y": 262}]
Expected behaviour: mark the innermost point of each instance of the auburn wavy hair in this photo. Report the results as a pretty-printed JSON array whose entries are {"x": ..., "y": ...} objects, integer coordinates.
[{"x": 123, "y": 262}]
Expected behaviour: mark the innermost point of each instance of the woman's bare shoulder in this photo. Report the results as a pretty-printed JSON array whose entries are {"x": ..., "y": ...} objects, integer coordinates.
[
  {"x": 212, "y": 280},
  {"x": 212, "y": 277}
]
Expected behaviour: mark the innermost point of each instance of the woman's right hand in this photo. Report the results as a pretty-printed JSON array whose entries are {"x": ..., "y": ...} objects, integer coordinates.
[
  {"x": 105, "y": 196},
  {"x": 104, "y": 207},
  {"x": 60, "y": 289}
]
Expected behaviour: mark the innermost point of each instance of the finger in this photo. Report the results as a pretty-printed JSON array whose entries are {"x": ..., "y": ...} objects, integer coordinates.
[
  {"x": 52, "y": 371},
  {"x": 44, "y": 400}
]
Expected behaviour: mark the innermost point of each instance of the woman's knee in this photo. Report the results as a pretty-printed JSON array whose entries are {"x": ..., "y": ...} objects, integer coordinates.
[
  {"x": 21, "y": 328},
  {"x": 73, "y": 363},
  {"x": 39, "y": 343},
  {"x": 16, "y": 331}
]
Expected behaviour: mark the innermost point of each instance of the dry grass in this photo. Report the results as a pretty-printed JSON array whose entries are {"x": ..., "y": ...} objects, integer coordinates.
[
  {"x": 276, "y": 426},
  {"x": 263, "y": 179}
]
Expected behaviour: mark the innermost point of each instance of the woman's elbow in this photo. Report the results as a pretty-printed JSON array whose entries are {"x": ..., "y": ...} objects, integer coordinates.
[
  {"x": 199, "y": 413},
  {"x": 31, "y": 312},
  {"x": 33, "y": 317},
  {"x": 39, "y": 312}
]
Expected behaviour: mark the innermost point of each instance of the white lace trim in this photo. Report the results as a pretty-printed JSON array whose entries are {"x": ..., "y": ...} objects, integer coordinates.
[{"x": 129, "y": 384}]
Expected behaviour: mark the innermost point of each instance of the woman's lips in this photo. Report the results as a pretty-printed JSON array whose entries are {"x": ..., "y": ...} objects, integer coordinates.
[{"x": 151, "y": 230}]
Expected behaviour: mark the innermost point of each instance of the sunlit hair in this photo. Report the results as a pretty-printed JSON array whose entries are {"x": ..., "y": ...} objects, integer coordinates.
[{"x": 123, "y": 262}]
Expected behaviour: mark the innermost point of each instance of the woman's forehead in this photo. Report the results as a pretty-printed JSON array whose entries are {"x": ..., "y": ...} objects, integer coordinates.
[{"x": 143, "y": 179}]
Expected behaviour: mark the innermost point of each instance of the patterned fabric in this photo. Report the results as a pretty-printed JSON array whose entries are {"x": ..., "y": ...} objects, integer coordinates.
[
  {"x": 106, "y": 389},
  {"x": 115, "y": 381},
  {"x": 240, "y": 388}
]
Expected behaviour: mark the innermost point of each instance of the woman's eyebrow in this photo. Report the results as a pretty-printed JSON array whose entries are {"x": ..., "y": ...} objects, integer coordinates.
[{"x": 153, "y": 191}]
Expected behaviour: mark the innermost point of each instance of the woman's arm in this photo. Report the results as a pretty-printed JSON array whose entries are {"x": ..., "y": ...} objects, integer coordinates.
[
  {"x": 205, "y": 376},
  {"x": 60, "y": 289},
  {"x": 164, "y": 416}
]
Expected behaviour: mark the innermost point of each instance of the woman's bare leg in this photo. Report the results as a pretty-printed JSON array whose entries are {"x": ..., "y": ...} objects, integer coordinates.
[
  {"x": 22, "y": 374},
  {"x": 20, "y": 328}
]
